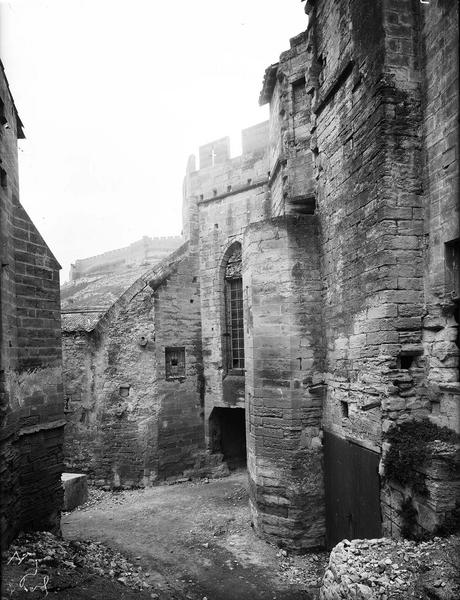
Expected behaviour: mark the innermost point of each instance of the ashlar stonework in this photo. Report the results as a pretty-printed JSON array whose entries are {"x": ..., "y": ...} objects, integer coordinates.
[{"x": 31, "y": 392}]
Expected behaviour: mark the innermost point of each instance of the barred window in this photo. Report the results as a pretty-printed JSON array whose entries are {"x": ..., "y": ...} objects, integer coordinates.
[
  {"x": 175, "y": 363},
  {"x": 234, "y": 311}
]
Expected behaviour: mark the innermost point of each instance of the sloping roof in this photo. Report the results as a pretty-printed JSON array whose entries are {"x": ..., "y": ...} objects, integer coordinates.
[
  {"x": 153, "y": 278},
  {"x": 100, "y": 290},
  {"x": 87, "y": 300}
]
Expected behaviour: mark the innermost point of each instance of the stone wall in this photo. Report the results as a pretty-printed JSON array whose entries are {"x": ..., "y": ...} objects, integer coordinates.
[
  {"x": 284, "y": 377},
  {"x": 371, "y": 80},
  {"x": 129, "y": 425},
  {"x": 231, "y": 201},
  {"x": 345, "y": 205},
  {"x": 439, "y": 52},
  {"x": 31, "y": 361},
  {"x": 228, "y": 196}
]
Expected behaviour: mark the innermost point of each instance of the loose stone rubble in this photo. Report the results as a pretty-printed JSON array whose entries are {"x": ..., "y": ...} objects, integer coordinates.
[
  {"x": 307, "y": 570},
  {"x": 57, "y": 564},
  {"x": 387, "y": 569}
]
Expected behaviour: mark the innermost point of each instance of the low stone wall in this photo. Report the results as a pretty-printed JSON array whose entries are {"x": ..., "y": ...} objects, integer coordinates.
[
  {"x": 75, "y": 490},
  {"x": 399, "y": 569}
]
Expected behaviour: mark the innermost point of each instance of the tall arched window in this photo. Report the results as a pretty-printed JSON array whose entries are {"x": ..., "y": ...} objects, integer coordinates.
[{"x": 234, "y": 312}]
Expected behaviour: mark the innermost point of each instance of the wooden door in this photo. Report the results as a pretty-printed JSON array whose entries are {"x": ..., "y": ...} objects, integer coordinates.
[{"x": 352, "y": 487}]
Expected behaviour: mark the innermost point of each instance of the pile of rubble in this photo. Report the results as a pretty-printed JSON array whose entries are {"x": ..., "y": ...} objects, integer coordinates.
[
  {"x": 46, "y": 558},
  {"x": 384, "y": 569}
]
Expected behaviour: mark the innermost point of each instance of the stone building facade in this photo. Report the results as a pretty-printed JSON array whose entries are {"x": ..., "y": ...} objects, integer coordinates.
[
  {"x": 31, "y": 393},
  {"x": 133, "y": 380},
  {"x": 324, "y": 266}
]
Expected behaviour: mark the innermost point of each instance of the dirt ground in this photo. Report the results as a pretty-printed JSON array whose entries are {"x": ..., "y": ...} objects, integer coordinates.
[{"x": 194, "y": 541}]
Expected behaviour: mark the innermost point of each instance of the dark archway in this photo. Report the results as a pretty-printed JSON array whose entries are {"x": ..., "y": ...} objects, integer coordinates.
[{"x": 227, "y": 430}]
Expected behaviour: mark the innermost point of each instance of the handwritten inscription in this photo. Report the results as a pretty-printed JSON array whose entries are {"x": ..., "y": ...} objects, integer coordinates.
[{"x": 30, "y": 581}]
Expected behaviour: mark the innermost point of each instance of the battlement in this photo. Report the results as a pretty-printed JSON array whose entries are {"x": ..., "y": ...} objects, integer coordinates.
[
  {"x": 220, "y": 176},
  {"x": 217, "y": 152},
  {"x": 214, "y": 153}
]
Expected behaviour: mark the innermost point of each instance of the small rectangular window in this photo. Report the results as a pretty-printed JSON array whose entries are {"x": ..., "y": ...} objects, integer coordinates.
[
  {"x": 2, "y": 113},
  {"x": 175, "y": 363},
  {"x": 299, "y": 94},
  {"x": 452, "y": 267}
]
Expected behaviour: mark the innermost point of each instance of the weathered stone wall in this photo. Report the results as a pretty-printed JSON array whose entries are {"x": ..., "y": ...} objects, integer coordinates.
[
  {"x": 431, "y": 382},
  {"x": 371, "y": 111},
  {"x": 290, "y": 160},
  {"x": 366, "y": 195},
  {"x": 346, "y": 207},
  {"x": 31, "y": 361},
  {"x": 284, "y": 380},
  {"x": 181, "y": 415},
  {"x": 128, "y": 424},
  {"x": 439, "y": 65},
  {"x": 229, "y": 196},
  {"x": 9, "y": 188}
]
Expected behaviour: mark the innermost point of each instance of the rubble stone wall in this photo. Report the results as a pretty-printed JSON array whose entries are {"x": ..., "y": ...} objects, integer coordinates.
[
  {"x": 181, "y": 414},
  {"x": 128, "y": 424}
]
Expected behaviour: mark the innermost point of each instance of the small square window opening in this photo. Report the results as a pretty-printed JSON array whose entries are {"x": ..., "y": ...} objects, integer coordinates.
[{"x": 175, "y": 362}]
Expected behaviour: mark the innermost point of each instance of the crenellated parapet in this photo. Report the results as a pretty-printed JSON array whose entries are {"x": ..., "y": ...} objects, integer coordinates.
[
  {"x": 145, "y": 249},
  {"x": 219, "y": 175}
]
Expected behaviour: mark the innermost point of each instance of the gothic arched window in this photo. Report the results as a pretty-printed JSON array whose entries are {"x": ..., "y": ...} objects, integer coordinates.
[{"x": 234, "y": 311}]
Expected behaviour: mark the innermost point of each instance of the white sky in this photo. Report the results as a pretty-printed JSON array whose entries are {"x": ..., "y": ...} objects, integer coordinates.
[{"x": 115, "y": 96}]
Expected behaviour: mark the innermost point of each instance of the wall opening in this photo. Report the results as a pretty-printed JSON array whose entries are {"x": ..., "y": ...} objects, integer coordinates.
[
  {"x": 227, "y": 431},
  {"x": 452, "y": 268},
  {"x": 3, "y": 178},
  {"x": 344, "y": 409},
  {"x": 299, "y": 93},
  {"x": 406, "y": 361}
]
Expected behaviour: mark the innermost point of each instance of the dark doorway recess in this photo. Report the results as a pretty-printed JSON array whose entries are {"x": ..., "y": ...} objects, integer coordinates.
[
  {"x": 227, "y": 428},
  {"x": 352, "y": 491}
]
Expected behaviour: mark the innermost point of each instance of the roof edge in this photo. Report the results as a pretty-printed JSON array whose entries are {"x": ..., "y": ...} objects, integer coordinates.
[
  {"x": 153, "y": 278},
  {"x": 268, "y": 84},
  {"x": 19, "y": 124}
]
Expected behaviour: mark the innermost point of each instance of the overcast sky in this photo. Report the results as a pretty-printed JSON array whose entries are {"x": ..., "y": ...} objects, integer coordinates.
[{"x": 115, "y": 96}]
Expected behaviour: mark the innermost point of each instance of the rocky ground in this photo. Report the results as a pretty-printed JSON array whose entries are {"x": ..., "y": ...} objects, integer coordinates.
[
  {"x": 384, "y": 569},
  {"x": 189, "y": 541},
  {"x": 194, "y": 541}
]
